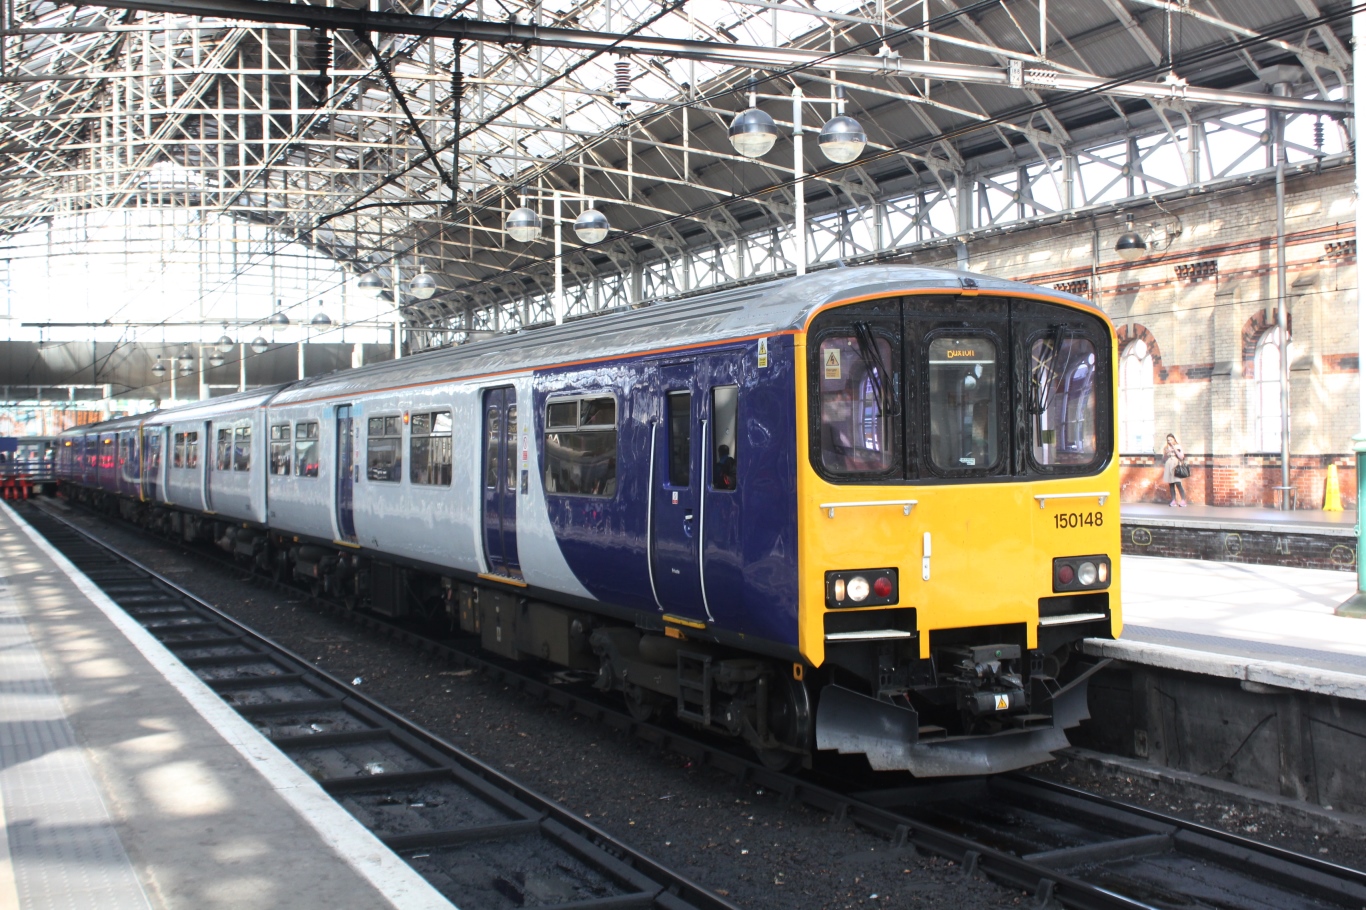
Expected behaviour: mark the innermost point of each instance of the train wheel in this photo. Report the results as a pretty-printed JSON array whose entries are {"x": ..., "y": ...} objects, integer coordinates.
[
  {"x": 642, "y": 705},
  {"x": 789, "y": 722}
]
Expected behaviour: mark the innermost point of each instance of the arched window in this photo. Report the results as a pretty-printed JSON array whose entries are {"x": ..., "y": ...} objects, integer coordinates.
[
  {"x": 1266, "y": 392},
  {"x": 1136, "y": 398}
]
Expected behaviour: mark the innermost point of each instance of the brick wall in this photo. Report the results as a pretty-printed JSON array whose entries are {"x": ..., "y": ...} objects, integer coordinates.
[{"x": 1239, "y": 480}]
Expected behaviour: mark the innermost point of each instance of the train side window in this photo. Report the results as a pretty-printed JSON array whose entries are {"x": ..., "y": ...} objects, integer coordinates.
[
  {"x": 280, "y": 449},
  {"x": 178, "y": 452},
  {"x": 858, "y": 430},
  {"x": 724, "y": 409},
  {"x": 384, "y": 449},
  {"x": 1062, "y": 401},
  {"x": 510, "y": 432},
  {"x": 223, "y": 456},
  {"x": 307, "y": 449},
  {"x": 680, "y": 438},
  {"x": 429, "y": 449},
  {"x": 241, "y": 454},
  {"x": 192, "y": 450},
  {"x": 494, "y": 422},
  {"x": 964, "y": 409},
  {"x": 580, "y": 446}
]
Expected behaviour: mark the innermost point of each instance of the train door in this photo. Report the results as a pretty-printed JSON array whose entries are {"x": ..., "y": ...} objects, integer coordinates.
[
  {"x": 151, "y": 464},
  {"x": 208, "y": 453},
  {"x": 346, "y": 473},
  {"x": 695, "y": 507},
  {"x": 958, "y": 419},
  {"x": 500, "y": 481}
]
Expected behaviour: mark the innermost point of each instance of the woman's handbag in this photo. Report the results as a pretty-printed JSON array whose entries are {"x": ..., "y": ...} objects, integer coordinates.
[{"x": 1182, "y": 470}]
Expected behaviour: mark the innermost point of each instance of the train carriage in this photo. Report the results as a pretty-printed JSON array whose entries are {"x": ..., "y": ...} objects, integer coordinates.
[{"x": 871, "y": 510}]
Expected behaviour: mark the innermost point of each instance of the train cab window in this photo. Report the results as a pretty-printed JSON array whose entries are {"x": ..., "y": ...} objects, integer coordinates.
[
  {"x": 680, "y": 439},
  {"x": 964, "y": 411},
  {"x": 241, "y": 449},
  {"x": 307, "y": 449},
  {"x": 280, "y": 449},
  {"x": 384, "y": 449},
  {"x": 1062, "y": 379},
  {"x": 580, "y": 446},
  {"x": 178, "y": 451},
  {"x": 858, "y": 432},
  {"x": 429, "y": 449},
  {"x": 192, "y": 450},
  {"x": 724, "y": 401}
]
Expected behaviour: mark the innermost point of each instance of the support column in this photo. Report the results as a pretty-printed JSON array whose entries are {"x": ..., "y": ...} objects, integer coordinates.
[
  {"x": 398, "y": 313},
  {"x": 1356, "y": 604},
  {"x": 1282, "y": 320},
  {"x": 242, "y": 367},
  {"x": 557, "y": 306}
]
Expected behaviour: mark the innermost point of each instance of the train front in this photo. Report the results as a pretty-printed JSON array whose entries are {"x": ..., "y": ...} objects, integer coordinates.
[{"x": 959, "y": 518}]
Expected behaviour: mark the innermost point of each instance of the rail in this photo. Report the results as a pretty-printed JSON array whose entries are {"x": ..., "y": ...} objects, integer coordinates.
[{"x": 1068, "y": 847}]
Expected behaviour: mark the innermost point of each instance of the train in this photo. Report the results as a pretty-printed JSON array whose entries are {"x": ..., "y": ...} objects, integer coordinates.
[{"x": 867, "y": 511}]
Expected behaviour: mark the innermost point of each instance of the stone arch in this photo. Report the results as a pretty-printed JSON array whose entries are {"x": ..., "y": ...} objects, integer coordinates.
[
  {"x": 1135, "y": 332},
  {"x": 1253, "y": 330}
]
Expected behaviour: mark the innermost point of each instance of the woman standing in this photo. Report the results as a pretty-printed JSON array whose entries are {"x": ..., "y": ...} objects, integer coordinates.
[{"x": 1174, "y": 458}]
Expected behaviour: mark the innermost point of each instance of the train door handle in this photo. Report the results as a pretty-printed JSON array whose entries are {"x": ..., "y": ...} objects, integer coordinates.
[
  {"x": 687, "y": 523},
  {"x": 925, "y": 559}
]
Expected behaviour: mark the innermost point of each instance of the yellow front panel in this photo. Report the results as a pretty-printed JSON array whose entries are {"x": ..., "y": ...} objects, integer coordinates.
[{"x": 991, "y": 544}]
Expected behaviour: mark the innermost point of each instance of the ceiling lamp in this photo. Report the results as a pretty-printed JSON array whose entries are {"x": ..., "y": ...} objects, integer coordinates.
[
  {"x": 158, "y": 368},
  {"x": 278, "y": 320},
  {"x": 1130, "y": 246},
  {"x": 226, "y": 344},
  {"x": 591, "y": 226},
  {"x": 185, "y": 361},
  {"x": 321, "y": 320},
  {"x": 216, "y": 360},
  {"x": 371, "y": 284},
  {"x": 259, "y": 345},
  {"x": 842, "y": 139},
  {"x": 423, "y": 286},
  {"x": 752, "y": 132},
  {"x": 523, "y": 224}
]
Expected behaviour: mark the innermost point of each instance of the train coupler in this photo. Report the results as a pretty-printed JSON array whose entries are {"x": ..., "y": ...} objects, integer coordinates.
[{"x": 890, "y": 735}]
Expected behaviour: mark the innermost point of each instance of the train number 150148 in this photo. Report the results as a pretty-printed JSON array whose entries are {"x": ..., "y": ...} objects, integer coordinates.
[{"x": 1078, "y": 519}]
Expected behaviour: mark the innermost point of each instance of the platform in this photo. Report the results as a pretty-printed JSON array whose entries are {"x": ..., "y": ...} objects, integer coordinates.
[
  {"x": 1303, "y": 538},
  {"x": 127, "y": 783},
  {"x": 1269, "y": 625}
]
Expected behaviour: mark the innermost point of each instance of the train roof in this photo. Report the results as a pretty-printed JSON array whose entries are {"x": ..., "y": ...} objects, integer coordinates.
[{"x": 760, "y": 309}]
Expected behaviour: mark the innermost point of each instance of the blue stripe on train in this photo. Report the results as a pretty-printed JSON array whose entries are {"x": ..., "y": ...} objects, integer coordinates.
[{"x": 751, "y": 534}]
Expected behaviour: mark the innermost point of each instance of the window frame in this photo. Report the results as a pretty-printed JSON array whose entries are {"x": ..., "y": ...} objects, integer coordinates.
[
  {"x": 1124, "y": 396},
  {"x": 398, "y": 478},
  {"x": 1105, "y": 445},
  {"x": 431, "y": 434},
  {"x": 987, "y": 330},
  {"x": 315, "y": 439},
  {"x": 734, "y": 454},
  {"x": 191, "y": 449},
  {"x": 577, "y": 398},
  {"x": 895, "y": 431},
  {"x": 278, "y": 442}
]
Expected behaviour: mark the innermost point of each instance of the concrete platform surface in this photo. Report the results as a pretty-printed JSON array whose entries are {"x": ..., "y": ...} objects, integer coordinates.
[
  {"x": 127, "y": 783},
  {"x": 1241, "y": 518},
  {"x": 1263, "y": 624}
]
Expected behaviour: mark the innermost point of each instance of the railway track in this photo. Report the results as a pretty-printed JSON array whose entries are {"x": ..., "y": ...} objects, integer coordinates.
[
  {"x": 481, "y": 838},
  {"x": 1065, "y": 846}
]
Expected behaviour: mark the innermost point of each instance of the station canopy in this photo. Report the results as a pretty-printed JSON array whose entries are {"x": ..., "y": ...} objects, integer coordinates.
[{"x": 490, "y": 165}]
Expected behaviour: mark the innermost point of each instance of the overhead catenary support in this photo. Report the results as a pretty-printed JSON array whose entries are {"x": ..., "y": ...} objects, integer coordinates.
[{"x": 799, "y": 184}]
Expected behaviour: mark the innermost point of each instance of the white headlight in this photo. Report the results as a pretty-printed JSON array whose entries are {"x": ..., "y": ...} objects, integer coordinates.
[
  {"x": 1086, "y": 573},
  {"x": 857, "y": 588}
]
